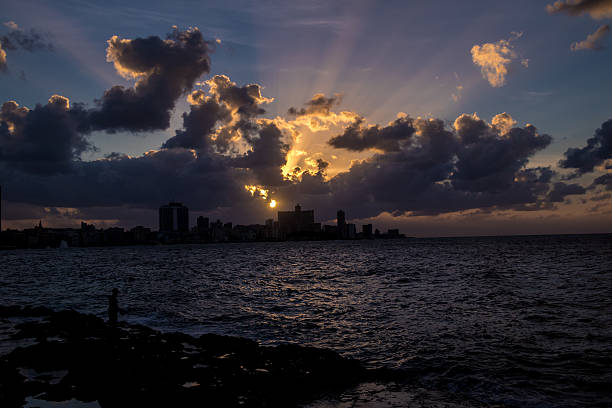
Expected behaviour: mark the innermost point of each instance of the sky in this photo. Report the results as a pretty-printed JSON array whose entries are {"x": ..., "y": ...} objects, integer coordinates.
[{"x": 440, "y": 118}]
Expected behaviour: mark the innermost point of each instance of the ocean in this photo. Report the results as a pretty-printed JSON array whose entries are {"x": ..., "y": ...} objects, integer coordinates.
[{"x": 493, "y": 321}]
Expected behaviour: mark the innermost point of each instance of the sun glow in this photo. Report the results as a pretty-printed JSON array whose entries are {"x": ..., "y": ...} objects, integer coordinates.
[{"x": 260, "y": 192}]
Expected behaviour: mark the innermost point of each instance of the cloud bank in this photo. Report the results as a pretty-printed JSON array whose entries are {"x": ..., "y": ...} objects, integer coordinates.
[
  {"x": 597, "y": 151},
  {"x": 226, "y": 148}
]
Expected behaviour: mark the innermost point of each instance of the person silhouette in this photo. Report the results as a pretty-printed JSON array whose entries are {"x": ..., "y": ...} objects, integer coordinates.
[{"x": 113, "y": 308}]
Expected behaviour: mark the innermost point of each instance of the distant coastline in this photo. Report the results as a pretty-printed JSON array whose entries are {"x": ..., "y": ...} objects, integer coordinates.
[{"x": 40, "y": 237}]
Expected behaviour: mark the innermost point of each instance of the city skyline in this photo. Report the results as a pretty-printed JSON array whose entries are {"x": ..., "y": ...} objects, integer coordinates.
[
  {"x": 479, "y": 126},
  {"x": 174, "y": 228}
]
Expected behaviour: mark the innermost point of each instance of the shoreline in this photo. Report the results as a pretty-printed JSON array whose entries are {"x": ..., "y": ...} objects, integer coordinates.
[{"x": 73, "y": 356}]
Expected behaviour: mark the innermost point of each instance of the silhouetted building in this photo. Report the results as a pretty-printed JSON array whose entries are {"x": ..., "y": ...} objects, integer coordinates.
[
  {"x": 216, "y": 231},
  {"x": 173, "y": 217},
  {"x": 393, "y": 233},
  {"x": 113, "y": 236},
  {"x": 296, "y": 222},
  {"x": 341, "y": 222},
  {"x": 351, "y": 231},
  {"x": 202, "y": 225},
  {"x": 367, "y": 230},
  {"x": 270, "y": 231},
  {"x": 140, "y": 234}
]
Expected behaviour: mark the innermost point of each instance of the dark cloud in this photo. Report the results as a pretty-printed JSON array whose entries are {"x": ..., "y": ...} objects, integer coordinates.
[
  {"x": 246, "y": 100},
  {"x": 318, "y": 105},
  {"x": 227, "y": 113},
  {"x": 267, "y": 156},
  {"x": 358, "y": 137},
  {"x": 25, "y": 40},
  {"x": 488, "y": 161},
  {"x": 602, "y": 197},
  {"x": 203, "y": 182},
  {"x": 198, "y": 125},
  {"x": 560, "y": 190},
  {"x": 439, "y": 170},
  {"x": 421, "y": 166},
  {"x": 596, "y": 8},
  {"x": 605, "y": 180},
  {"x": 244, "y": 103},
  {"x": 164, "y": 70},
  {"x": 44, "y": 140},
  {"x": 597, "y": 150},
  {"x": 18, "y": 39}
]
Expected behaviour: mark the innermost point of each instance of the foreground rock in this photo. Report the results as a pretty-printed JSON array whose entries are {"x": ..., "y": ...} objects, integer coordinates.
[{"x": 78, "y": 356}]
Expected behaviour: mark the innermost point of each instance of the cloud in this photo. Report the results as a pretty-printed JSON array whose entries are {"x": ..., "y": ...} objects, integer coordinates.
[
  {"x": 2, "y": 59},
  {"x": 593, "y": 41},
  {"x": 474, "y": 165},
  {"x": 358, "y": 137},
  {"x": 198, "y": 125},
  {"x": 11, "y": 24},
  {"x": 18, "y": 39},
  {"x": 456, "y": 96},
  {"x": 44, "y": 140},
  {"x": 489, "y": 157},
  {"x": 495, "y": 59},
  {"x": 223, "y": 118},
  {"x": 163, "y": 69},
  {"x": 560, "y": 190},
  {"x": 318, "y": 105},
  {"x": 245, "y": 100},
  {"x": 597, "y": 9},
  {"x": 503, "y": 122},
  {"x": 28, "y": 41},
  {"x": 433, "y": 169},
  {"x": 604, "y": 180},
  {"x": 202, "y": 181},
  {"x": 412, "y": 166},
  {"x": 267, "y": 156},
  {"x": 597, "y": 150}
]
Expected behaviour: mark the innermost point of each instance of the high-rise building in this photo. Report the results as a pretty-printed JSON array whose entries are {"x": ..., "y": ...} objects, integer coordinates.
[
  {"x": 173, "y": 217},
  {"x": 351, "y": 231},
  {"x": 298, "y": 221},
  {"x": 341, "y": 220},
  {"x": 202, "y": 224},
  {"x": 367, "y": 230}
]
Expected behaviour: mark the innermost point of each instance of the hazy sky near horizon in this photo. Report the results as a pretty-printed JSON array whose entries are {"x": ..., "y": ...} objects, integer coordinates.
[{"x": 379, "y": 90}]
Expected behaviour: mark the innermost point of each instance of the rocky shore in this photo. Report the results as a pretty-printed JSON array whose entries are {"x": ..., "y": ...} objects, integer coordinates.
[{"x": 67, "y": 355}]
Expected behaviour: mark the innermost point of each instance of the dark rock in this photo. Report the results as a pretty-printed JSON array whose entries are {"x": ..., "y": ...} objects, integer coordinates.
[{"x": 133, "y": 365}]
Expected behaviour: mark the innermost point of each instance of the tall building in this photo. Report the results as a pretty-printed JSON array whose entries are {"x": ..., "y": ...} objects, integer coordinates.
[
  {"x": 173, "y": 217},
  {"x": 351, "y": 231},
  {"x": 202, "y": 225},
  {"x": 341, "y": 220},
  {"x": 293, "y": 222}
]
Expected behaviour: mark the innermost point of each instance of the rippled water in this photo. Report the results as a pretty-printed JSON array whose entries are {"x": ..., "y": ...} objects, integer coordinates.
[{"x": 513, "y": 321}]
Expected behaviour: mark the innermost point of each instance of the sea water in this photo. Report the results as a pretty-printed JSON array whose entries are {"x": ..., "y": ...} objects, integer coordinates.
[{"x": 506, "y": 321}]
